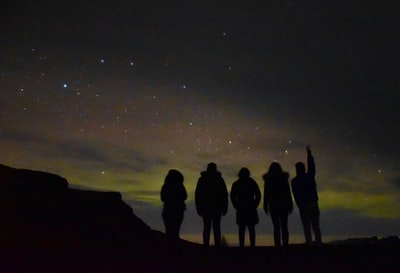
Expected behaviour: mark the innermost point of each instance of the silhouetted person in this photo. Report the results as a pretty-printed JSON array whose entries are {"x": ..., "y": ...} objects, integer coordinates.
[
  {"x": 278, "y": 202},
  {"x": 173, "y": 194},
  {"x": 245, "y": 197},
  {"x": 211, "y": 198},
  {"x": 305, "y": 194}
]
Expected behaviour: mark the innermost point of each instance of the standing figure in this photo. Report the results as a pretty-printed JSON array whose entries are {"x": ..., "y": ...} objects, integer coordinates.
[
  {"x": 245, "y": 197},
  {"x": 173, "y": 194},
  {"x": 305, "y": 194},
  {"x": 211, "y": 198},
  {"x": 278, "y": 202}
]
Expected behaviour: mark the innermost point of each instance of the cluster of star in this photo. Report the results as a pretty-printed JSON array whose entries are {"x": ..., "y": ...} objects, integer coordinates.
[{"x": 105, "y": 95}]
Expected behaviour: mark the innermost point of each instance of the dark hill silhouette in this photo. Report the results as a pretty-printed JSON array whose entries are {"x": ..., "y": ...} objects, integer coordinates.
[
  {"x": 48, "y": 227},
  {"x": 39, "y": 209}
]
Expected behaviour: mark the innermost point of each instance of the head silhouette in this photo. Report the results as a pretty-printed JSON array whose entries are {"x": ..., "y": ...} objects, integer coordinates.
[
  {"x": 212, "y": 167},
  {"x": 174, "y": 177},
  {"x": 275, "y": 168},
  {"x": 244, "y": 173},
  {"x": 300, "y": 168}
]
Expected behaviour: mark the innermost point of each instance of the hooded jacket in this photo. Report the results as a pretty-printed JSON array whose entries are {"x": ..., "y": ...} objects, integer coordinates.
[
  {"x": 277, "y": 195},
  {"x": 211, "y": 195}
]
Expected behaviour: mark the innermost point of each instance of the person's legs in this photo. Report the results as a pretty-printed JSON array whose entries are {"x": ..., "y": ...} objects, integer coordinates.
[
  {"x": 165, "y": 219},
  {"x": 252, "y": 235},
  {"x": 277, "y": 227},
  {"x": 216, "y": 221},
  {"x": 206, "y": 230},
  {"x": 176, "y": 226},
  {"x": 284, "y": 227},
  {"x": 242, "y": 230},
  {"x": 315, "y": 224},
  {"x": 168, "y": 223},
  {"x": 305, "y": 219}
]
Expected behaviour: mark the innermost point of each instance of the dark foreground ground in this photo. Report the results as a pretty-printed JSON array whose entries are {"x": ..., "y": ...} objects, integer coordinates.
[{"x": 192, "y": 258}]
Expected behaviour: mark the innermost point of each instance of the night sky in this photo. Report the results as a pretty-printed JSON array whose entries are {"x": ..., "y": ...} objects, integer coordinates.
[{"x": 112, "y": 95}]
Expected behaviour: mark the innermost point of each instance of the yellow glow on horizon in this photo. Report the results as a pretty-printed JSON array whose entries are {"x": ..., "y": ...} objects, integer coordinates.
[{"x": 379, "y": 205}]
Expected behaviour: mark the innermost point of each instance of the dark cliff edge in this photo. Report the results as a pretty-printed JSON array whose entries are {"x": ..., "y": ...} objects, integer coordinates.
[{"x": 38, "y": 211}]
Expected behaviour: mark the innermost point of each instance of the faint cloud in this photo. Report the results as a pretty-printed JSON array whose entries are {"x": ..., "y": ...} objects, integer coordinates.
[
  {"x": 19, "y": 136},
  {"x": 108, "y": 156},
  {"x": 78, "y": 152}
]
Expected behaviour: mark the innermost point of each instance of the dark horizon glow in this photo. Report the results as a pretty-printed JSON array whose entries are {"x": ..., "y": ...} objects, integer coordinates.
[{"x": 113, "y": 95}]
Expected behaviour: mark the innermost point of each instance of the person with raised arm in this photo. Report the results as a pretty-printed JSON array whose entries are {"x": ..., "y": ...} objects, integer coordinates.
[{"x": 305, "y": 194}]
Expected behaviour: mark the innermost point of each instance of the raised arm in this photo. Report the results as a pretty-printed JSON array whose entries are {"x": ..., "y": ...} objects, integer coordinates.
[{"x": 310, "y": 162}]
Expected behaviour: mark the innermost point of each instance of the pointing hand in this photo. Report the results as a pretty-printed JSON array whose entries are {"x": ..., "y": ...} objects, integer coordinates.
[{"x": 308, "y": 148}]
